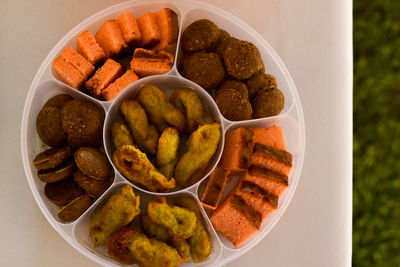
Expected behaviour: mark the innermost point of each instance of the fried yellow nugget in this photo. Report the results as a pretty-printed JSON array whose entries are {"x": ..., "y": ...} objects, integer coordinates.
[
  {"x": 179, "y": 222},
  {"x": 160, "y": 111},
  {"x": 144, "y": 134},
  {"x": 117, "y": 245},
  {"x": 201, "y": 146},
  {"x": 167, "y": 153},
  {"x": 200, "y": 244},
  {"x": 121, "y": 135},
  {"x": 164, "y": 255},
  {"x": 153, "y": 230},
  {"x": 182, "y": 247},
  {"x": 141, "y": 249},
  {"x": 135, "y": 166},
  {"x": 119, "y": 210}
]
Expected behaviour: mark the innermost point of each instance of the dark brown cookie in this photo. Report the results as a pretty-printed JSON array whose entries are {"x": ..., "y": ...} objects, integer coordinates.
[
  {"x": 57, "y": 174},
  {"x": 48, "y": 126},
  {"x": 52, "y": 158},
  {"x": 75, "y": 208},
  {"x": 62, "y": 192},
  {"x": 93, "y": 163},
  {"x": 93, "y": 187}
]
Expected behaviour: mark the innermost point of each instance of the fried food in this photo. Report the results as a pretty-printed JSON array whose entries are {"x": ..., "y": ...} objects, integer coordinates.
[
  {"x": 62, "y": 192},
  {"x": 167, "y": 153},
  {"x": 93, "y": 163},
  {"x": 48, "y": 126},
  {"x": 201, "y": 146},
  {"x": 179, "y": 222},
  {"x": 268, "y": 103},
  {"x": 160, "y": 111},
  {"x": 200, "y": 35},
  {"x": 232, "y": 105},
  {"x": 189, "y": 102},
  {"x": 205, "y": 69},
  {"x": 164, "y": 255},
  {"x": 93, "y": 187},
  {"x": 75, "y": 208},
  {"x": 199, "y": 242},
  {"x": 235, "y": 85},
  {"x": 259, "y": 82},
  {"x": 58, "y": 101},
  {"x": 242, "y": 59},
  {"x": 119, "y": 210},
  {"x": 153, "y": 230},
  {"x": 144, "y": 134},
  {"x": 135, "y": 166},
  {"x": 57, "y": 174},
  {"x": 141, "y": 249},
  {"x": 117, "y": 245},
  {"x": 121, "y": 135},
  {"x": 52, "y": 158}
]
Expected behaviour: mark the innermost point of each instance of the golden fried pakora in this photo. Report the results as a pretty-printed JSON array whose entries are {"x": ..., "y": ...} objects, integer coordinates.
[
  {"x": 199, "y": 242},
  {"x": 119, "y": 210},
  {"x": 160, "y": 111},
  {"x": 191, "y": 105},
  {"x": 167, "y": 153},
  {"x": 182, "y": 247},
  {"x": 135, "y": 166},
  {"x": 164, "y": 255},
  {"x": 121, "y": 135},
  {"x": 141, "y": 249},
  {"x": 179, "y": 222},
  {"x": 117, "y": 245},
  {"x": 144, "y": 134},
  {"x": 201, "y": 146}
]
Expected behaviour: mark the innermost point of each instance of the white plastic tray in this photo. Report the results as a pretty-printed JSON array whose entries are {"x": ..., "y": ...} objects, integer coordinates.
[{"x": 45, "y": 85}]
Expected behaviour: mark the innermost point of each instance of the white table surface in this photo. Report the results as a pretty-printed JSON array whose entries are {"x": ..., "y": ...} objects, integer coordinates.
[{"x": 313, "y": 38}]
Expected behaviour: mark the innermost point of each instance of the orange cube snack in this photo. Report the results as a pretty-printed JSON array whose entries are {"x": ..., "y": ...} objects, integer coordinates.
[
  {"x": 238, "y": 150},
  {"x": 129, "y": 29},
  {"x": 88, "y": 47},
  {"x": 270, "y": 136},
  {"x": 149, "y": 29},
  {"x": 119, "y": 84},
  {"x": 215, "y": 185},
  {"x": 78, "y": 61},
  {"x": 268, "y": 157},
  {"x": 167, "y": 21},
  {"x": 67, "y": 73},
  {"x": 148, "y": 62},
  {"x": 110, "y": 71},
  {"x": 269, "y": 181},
  {"x": 110, "y": 39}
]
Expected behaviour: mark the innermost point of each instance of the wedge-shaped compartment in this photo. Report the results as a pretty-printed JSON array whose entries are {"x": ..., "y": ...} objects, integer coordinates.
[
  {"x": 83, "y": 240},
  {"x": 167, "y": 83},
  {"x": 94, "y": 23},
  {"x": 292, "y": 134},
  {"x": 44, "y": 92},
  {"x": 236, "y": 29}
]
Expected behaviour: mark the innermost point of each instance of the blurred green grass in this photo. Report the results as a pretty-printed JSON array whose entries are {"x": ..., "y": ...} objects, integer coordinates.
[{"x": 376, "y": 144}]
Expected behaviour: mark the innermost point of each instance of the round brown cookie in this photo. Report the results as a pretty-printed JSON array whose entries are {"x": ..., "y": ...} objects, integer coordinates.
[
  {"x": 259, "y": 82},
  {"x": 62, "y": 192},
  {"x": 232, "y": 105},
  {"x": 241, "y": 59},
  {"x": 200, "y": 35},
  {"x": 48, "y": 126},
  {"x": 205, "y": 69},
  {"x": 52, "y": 158},
  {"x": 236, "y": 85},
  {"x": 81, "y": 118},
  {"x": 269, "y": 102},
  {"x": 58, "y": 101},
  {"x": 94, "y": 141},
  {"x": 57, "y": 174},
  {"x": 93, "y": 163},
  {"x": 75, "y": 208},
  {"x": 93, "y": 187}
]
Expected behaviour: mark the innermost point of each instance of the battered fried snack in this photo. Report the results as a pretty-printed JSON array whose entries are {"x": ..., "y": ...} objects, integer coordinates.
[
  {"x": 57, "y": 174},
  {"x": 164, "y": 255},
  {"x": 222, "y": 45},
  {"x": 191, "y": 105},
  {"x": 269, "y": 102},
  {"x": 48, "y": 126},
  {"x": 119, "y": 210},
  {"x": 200, "y": 35},
  {"x": 235, "y": 85},
  {"x": 121, "y": 135},
  {"x": 232, "y": 105},
  {"x": 201, "y": 146},
  {"x": 117, "y": 245},
  {"x": 200, "y": 244},
  {"x": 135, "y": 166},
  {"x": 205, "y": 69},
  {"x": 75, "y": 208},
  {"x": 241, "y": 59},
  {"x": 141, "y": 249},
  {"x": 93, "y": 163},
  {"x": 52, "y": 158},
  {"x": 167, "y": 153},
  {"x": 182, "y": 247},
  {"x": 62, "y": 192},
  {"x": 259, "y": 82},
  {"x": 179, "y": 222},
  {"x": 153, "y": 230},
  {"x": 160, "y": 111},
  {"x": 94, "y": 188},
  {"x": 144, "y": 134}
]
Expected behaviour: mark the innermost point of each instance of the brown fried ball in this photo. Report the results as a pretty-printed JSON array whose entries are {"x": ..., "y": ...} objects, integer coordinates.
[
  {"x": 241, "y": 59},
  {"x": 222, "y": 45},
  {"x": 236, "y": 85},
  {"x": 200, "y": 35},
  {"x": 268, "y": 103},
  {"x": 58, "y": 101},
  {"x": 259, "y": 82},
  {"x": 233, "y": 106},
  {"x": 48, "y": 126},
  {"x": 205, "y": 69}
]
